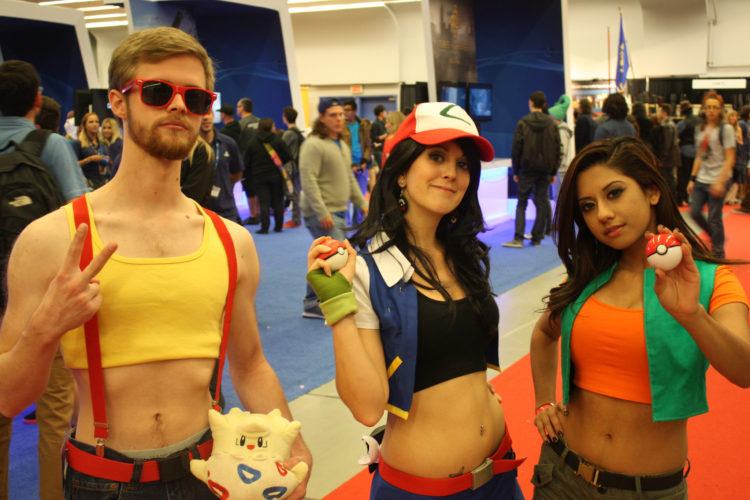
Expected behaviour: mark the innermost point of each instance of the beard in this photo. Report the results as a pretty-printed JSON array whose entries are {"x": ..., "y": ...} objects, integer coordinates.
[{"x": 162, "y": 142}]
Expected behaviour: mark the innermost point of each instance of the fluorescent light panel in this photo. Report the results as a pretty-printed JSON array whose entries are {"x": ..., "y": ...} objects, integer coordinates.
[
  {"x": 106, "y": 16},
  {"x": 98, "y": 7},
  {"x": 341, "y": 6},
  {"x": 106, "y": 24},
  {"x": 63, "y": 2},
  {"x": 338, "y": 6}
]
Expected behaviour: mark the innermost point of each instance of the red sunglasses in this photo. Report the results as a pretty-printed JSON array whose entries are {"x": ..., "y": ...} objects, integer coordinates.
[{"x": 159, "y": 94}]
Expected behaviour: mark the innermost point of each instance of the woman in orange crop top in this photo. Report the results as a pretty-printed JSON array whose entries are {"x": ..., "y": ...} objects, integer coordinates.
[{"x": 620, "y": 430}]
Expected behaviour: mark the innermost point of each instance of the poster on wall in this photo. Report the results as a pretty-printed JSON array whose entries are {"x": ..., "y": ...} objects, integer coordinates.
[{"x": 453, "y": 40}]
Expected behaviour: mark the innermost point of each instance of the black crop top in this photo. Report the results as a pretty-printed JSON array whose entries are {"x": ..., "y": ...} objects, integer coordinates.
[{"x": 451, "y": 346}]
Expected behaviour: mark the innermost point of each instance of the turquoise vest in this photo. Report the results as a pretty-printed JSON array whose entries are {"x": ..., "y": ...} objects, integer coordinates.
[{"x": 676, "y": 366}]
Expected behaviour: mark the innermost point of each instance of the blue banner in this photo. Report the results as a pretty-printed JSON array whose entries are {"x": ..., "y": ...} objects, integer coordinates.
[{"x": 623, "y": 61}]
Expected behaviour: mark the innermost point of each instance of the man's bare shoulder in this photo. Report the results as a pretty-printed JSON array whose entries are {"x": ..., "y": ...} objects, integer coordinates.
[
  {"x": 46, "y": 239},
  {"x": 247, "y": 255}
]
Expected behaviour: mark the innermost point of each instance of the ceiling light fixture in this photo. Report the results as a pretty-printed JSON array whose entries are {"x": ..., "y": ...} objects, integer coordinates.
[
  {"x": 98, "y": 7},
  {"x": 106, "y": 24},
  {"x": 338, "y": 6},
  {"x": 106, "y": 16},
  {"x": 63, "y": 2}
]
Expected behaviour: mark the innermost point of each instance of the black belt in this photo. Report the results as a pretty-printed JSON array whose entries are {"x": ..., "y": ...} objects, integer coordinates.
[{"x": 603, "y": 479}]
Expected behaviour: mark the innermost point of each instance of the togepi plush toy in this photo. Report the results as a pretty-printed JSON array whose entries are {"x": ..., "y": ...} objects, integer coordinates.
[{"x": 248, "y": 454}]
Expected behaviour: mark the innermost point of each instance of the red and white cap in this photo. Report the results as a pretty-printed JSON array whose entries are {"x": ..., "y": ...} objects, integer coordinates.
[{"x": 432, "y": 123}]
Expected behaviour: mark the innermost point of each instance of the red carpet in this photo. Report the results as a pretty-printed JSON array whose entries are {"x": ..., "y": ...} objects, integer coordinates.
[{"x": 718, "y": 440}]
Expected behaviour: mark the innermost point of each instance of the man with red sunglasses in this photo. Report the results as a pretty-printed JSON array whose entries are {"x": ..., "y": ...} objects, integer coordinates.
[{"x": 143, "y": 290}]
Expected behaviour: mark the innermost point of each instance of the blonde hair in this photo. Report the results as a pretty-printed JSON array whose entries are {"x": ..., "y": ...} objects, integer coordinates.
[
  {"x": 200, "y": 141},
  {"x": 115, "y": 130},
  {"x": 83, "y": 136},
  {"x": 154, "y": 45},
  {"x": 394, "y": 119}
]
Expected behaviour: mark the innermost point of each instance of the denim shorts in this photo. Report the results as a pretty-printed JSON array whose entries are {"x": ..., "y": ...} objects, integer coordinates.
[{"x": 80, "y": 486}]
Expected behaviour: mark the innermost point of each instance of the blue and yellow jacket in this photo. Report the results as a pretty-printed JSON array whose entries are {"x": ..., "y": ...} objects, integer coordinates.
[{"x": 394, "y": 299}]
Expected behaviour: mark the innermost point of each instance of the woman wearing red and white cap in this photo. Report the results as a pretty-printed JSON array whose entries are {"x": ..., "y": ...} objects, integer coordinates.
[{"x": 414, "y": 321}]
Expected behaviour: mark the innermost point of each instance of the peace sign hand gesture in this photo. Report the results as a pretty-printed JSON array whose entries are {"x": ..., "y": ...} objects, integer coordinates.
[{"x": 73, "y": 295}]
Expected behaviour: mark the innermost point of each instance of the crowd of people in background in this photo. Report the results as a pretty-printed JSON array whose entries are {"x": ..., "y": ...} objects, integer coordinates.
[{"x": 703, "y": 156}]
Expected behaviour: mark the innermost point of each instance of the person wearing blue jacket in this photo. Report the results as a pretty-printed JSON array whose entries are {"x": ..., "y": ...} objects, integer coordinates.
[{"x": 414, "y": 321}]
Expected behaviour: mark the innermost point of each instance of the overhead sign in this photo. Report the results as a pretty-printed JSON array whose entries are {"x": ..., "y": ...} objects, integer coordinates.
[{"x": 720, "y": 83}]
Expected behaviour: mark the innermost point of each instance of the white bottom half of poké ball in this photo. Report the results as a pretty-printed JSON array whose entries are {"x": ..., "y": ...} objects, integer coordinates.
[
  {"x": 665, "y": 258},
  {"x": 338, "y": 259}
]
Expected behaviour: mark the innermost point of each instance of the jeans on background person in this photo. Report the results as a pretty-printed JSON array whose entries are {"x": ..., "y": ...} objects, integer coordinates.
[
  {"x": 270, "y": 195},
  {"x": 539, "y": 185},
  {"x": 53, "y": 413},
  {"x": 683, "y": 177},
  {"x": 337, "y": 232},
  {"x": 362, "y": 177},
  {"x": 293, "y": 172},
  {"x": 714, "y": 226}
]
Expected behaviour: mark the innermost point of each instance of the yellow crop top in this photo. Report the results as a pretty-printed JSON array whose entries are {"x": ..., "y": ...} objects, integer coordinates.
[{"x": 156, "y": 309}]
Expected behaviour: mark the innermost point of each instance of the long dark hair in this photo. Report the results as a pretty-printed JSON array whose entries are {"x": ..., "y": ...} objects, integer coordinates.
[
  {"x": 582, "y": 254},
  {"x": 457, "y": 232}
]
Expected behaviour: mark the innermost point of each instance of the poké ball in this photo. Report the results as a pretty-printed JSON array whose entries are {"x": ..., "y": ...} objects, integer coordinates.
[
  {"x": 338, "y": 255},
  {"x": 664, "y": 251}
]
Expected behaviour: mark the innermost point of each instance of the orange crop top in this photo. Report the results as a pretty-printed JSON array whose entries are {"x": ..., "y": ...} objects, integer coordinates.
[
  {"x": 156, "y": 309},
  {"x": 608, "y": 343}
]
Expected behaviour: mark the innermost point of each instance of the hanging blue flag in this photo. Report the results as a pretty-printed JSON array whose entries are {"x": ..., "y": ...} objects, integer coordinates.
[{"x": 621, "y": 77}]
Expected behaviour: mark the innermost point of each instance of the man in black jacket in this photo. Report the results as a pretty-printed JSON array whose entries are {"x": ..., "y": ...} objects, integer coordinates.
[
  {"x": 536, "y": 158},
  {"x": 265, "y": 156},
  {"x": 231, "y": 126}
]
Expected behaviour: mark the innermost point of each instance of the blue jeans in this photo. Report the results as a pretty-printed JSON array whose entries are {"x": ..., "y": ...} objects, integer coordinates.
[
  {"x": 501, "y": 487},
  {"x": 714, "y": 226},
  {"x": 337, "y": 232},
  {"x": 362, "y": 176},
  {"x": 80, "y": 486}
]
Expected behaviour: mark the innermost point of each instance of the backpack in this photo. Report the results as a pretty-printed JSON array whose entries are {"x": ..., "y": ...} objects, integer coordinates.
[
  {"x": 300, "y": 140},
  {"x": 541, "y": 148},
  {"x": 27, "y": 188}
]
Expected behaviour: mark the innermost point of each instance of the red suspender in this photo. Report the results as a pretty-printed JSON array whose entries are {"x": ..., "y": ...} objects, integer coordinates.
[
  {"x": 91, "y": 331},
  {"x": 226, "y": 240},
  {"x": 91, "y": 328}
]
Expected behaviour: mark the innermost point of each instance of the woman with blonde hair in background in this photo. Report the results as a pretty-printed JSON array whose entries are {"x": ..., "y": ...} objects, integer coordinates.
[
  {"x": 113, "y": 140},
  {"x": 92, "y": 153},
  {"x": 197, "y": 172}
]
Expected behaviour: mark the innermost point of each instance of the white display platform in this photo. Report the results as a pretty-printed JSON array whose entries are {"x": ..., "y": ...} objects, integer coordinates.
[{"x": 493, "y": 192}]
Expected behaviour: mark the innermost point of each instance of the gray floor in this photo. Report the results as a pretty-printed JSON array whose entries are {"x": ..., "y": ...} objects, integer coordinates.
[{"x": 335, "y": 437}]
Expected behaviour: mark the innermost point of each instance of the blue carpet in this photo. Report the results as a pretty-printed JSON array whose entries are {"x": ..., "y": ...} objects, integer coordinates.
[{"x": 300, "y": 350}]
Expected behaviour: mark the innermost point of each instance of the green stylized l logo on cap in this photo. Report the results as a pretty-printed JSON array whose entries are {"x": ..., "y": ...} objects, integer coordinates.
[{"x": 444, "y": 112}]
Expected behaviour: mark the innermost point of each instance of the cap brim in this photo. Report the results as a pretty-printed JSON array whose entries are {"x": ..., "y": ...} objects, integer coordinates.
[{"x": 432, "y": 137}]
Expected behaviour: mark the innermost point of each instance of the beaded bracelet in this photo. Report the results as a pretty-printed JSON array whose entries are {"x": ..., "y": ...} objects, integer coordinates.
[{"x": 542, "y": 407}]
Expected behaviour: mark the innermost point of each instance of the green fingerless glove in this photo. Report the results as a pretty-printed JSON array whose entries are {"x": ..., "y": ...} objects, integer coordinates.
[
  {"x": 339, "y": 307},
  {"x": 326, "y": 287},
  {"x": 334, "y": 293}
]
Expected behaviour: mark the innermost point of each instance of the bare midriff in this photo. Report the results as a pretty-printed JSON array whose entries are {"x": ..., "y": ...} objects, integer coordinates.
[
  {"x": 620, "y": 436},
  {"x": 452, "y": 427},
  {"x": 149, "y": 406}
]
